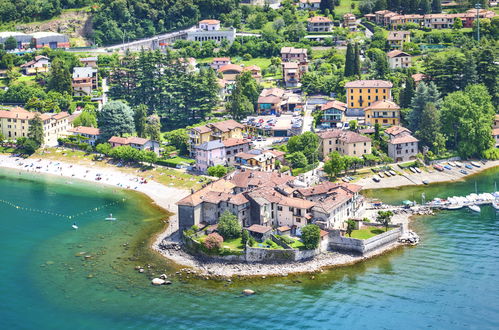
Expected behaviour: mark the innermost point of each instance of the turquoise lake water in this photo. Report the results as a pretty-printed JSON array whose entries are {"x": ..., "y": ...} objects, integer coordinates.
[{"x": 449, "y": 281}]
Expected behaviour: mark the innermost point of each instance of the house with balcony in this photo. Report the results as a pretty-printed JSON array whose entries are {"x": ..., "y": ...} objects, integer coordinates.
[
  {"x": 495, "y": 131},
  {"x": 233, "y": 147},
  {"x": 221, "y": 130},
  {"x": 319, "y": 24},
  {"x": 209, "y": 154},
  {"x": 89, "y": 135},
  {"x": 345, "y": 142},
  {"x": 402, "y": 146},
  {"x": 85, "y": 81},
  {"x": 256, "y": 72},
  {"x": 257, "y": 159},
  {"x": 383, "y": 112},
  {"x": 219, "y": 62},
  {"x": 398, "y": 59},
  {"x": 362, "y": 93},
  {"x": 291, "y": 54},
  {"x": 41, "y": 64},
  {"x": 89, "y": 61},
  {"x": 135, "y": 142},
  {"x": 350, "y": 22},
  {"x": 230, "y": 72},
  {"x": 333, "y": 113},
  {"x": 396, "y": 39}
]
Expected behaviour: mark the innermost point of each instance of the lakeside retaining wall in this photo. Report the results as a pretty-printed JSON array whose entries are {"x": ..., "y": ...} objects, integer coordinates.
[{"x": 363, "y": 246}]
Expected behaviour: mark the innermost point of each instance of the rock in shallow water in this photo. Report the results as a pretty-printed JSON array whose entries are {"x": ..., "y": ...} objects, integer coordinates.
[{"x": 248, "y": 292}]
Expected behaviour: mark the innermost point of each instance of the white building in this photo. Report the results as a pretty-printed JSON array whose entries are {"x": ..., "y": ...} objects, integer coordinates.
[
  {"x": 402, "y": 146},
  {"x": 398, "y": 59},
  {"x": 209, "y": 29}
]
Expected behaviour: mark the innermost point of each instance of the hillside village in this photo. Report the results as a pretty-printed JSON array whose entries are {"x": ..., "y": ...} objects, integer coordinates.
[{"x": 282, "y": 112}]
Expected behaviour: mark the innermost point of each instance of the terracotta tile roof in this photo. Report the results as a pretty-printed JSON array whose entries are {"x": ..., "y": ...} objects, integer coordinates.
[
  {"x": 334, "y": 104},
  {"x": 17, "y": 113},
  {"x": 290, "y": 65},
  {"x": 271, "y": 99},
  {"x": 331, "y": 202},
  {"x": 118, "y": 140},
  {"x": 283, "y": 228},
  {"x": 395, "y": 53},
  {"x": 202, "y": 129},
  {"x": 259, "y": 229},
  {"x": 250, "y": 178},
  {"x": 269, "y": 194},
  {"x": 292, "y": 50},
  {"x": 209, "y": 21},
  {"x": 227, "y": 125},
  {"x": 252, "y": 68},
  {"x": 395, "y": 130},
  {"x": 319, "y": 19},
  {"x": 344, "y": 135},
  {"x": 418, "y": 77},
  {"x": 216, "y": 197},
  {"x": 367, "y": 131},
  {"x": 328, "y": 188},
  {"x": 60, "y": 115},
  {"x": 230, "y": 67},
  {"x": 324, "y": 233},
  {"x": 277, "y": 153},
  {"x": 272, "y": 91},
  {"x": 403, "y": 139},
  {"x": 383, "y": 105},
  {"x": 397, "y": 35},
  {"x": 85, "y": 130},
  {"x": 137, "y": 140},
  {"x": 369, "y": 84},
  {"x": 231, "y": 142},
  {"x": 221, "y": 59},
  {"x": 194, "y": 199},
  {"x": 37, "y": 58}
]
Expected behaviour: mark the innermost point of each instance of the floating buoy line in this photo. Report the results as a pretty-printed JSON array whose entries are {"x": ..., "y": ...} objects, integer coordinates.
[{"x": 34, "y": 210}]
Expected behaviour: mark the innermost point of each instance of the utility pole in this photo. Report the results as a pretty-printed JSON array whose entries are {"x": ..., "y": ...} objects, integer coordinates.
[{"x": 478, "y": 6}]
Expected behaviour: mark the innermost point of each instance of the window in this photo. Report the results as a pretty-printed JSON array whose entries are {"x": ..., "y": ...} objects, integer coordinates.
[
  {"x": 369, "y": 91},
  {"x": 279, "y": 208},
  {"x": 298, "y": 220},
  {"x": 290, "y": 209}
]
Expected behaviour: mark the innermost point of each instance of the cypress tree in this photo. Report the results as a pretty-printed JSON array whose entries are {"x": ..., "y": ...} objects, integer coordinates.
[
  {"x": 407, "y": 93},
  {"x": 349, "y": 61},
  {"x": 356, "y": 61},
  {"x": 139, "y": 117},
  {"x": 35, "y": 131},
  {"x": 326, "y": 5},
  {"x": 60, "y": 78}
]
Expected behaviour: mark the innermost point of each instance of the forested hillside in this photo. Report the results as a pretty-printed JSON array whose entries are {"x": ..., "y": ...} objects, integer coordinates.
[
  {"x": 115, "y": 19},
  {"x": 34, "y": 10}
]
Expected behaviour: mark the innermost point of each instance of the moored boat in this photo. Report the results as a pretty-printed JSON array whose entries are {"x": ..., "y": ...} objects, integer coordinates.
[
  {"x": 474, "y": 208},
  {"x": 417, "y": 170},
  {"x": 475, "y": 164}
]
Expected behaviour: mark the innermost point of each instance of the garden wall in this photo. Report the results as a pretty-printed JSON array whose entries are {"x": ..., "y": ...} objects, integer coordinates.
[{"x": 362, "y": 246}]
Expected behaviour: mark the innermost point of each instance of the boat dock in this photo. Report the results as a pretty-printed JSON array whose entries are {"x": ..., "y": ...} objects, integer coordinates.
[{"x": 457, "y": 202}]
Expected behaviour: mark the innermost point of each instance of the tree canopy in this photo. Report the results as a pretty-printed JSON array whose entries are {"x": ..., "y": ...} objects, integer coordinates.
[{"x": 115, "y": 118}]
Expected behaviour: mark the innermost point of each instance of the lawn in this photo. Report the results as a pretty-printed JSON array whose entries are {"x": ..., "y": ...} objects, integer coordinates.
[
  {"x": 345, "y": 7},
  {"x": 234, "y": 244},
  {"x": 297, "y": 244},
  {"x": 367, "y": 232}
]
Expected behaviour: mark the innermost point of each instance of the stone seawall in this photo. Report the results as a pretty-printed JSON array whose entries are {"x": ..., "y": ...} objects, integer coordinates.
[{"x": 363, "y": 246}]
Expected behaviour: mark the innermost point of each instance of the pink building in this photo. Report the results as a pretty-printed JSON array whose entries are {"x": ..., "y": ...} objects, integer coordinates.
[{"x": 209, "y": 154}]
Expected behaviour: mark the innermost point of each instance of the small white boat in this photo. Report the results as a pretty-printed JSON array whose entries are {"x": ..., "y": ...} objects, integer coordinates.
[
  {"x": 495, "y": 204},
  {"x": 474, "y": 208},
  {"x": 392, "y": 172},
  {"x": 417, "y": 169},
  {"x": 74, "y": 226},
  {"x": 454, "y": 206},
  {"x": 413, "y": 170},
  {"x": 110, "y": 218},
  {"x": 458, "y": 164}
]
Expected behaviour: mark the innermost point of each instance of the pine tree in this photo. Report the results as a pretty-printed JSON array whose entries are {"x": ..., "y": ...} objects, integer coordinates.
[
  {"x": 423, "y": 95},
  {"x": 436, "y": 6},
  {"x": 425, "y": 7},
  {"x": 326, "y": 5},
  {"x": 60, "y": 78},
  {"x": 430, "y": 126},
  {"x": 349, "y": 61},
  {"x": 139, "y": 118}
]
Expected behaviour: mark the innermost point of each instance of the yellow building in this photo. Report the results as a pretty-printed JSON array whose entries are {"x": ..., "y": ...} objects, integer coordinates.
[
  {"x": 383, "y": 112},
  {"x": 14, "y": 124},
  {"x": 221, "y": 130},
  {"x": 345, "y": 142},
  {"x": 363, "y": 93}
]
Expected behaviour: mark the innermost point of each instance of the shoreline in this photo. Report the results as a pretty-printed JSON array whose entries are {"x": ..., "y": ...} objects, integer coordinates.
[
  {"x": 166, "y": 197},
  {"x": 416, "y": 179}
]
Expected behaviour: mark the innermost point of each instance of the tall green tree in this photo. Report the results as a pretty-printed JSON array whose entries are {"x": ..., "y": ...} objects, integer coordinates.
[
  {"x": 384, "y": 218},
  {"x": 140, "y": 119},
  {"x": 350, "y": 227},
  {"x": 307, "y": 143},
  {"x": 429, "y": 133},
  {"x": 466, "y": 117},
  {"x": 436, "y": 6},
  {"x": 35, "y": 131},
  {"x": 424, "y": 94},
  {"x": 297, "y": 159},
  {"x": 115, "y": 119},
  {"x": 311, "y": 236},
  {"x": 87, "y": 119},
  {"x": 407, "y": 93},
  {"x": 326, "y": 5},
  {"x": 153, "y": 128},
  {"x": 356, "y": 60},
  {"x": 229, "y": 226},
  {"x": 488, "y": 70},
  {"x": 349, "y": 61},
  {"x": 425, "y": 6},
  {"x": 334, "y": 165},
  {"x": 59, "y": 78}
]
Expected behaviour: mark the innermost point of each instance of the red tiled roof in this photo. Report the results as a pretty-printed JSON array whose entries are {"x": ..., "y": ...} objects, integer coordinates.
[
  {"x": 383, "y": 105},
  {"x": 250, "y": 178},
  {"x": 231, "y": 67},
  {"x": 85, "y": 130},
  {"x": 271, "y": 99},
  {"x": 403, "y": 139},
  {"x": 234, "y": 142},
  {"x": 227, "y": 125},
  {"x": 319, "y": 19},
  {"x": 369, "y": 84},
  {"x": 221, "y": 59},
  {"x": 137, "y": 140},
  {"x": 259, "y": 229},
  {"x": 395, "y": 130},
  {"x": 334, "y": 104},
  {"x": 209, "y": 21},
  {"x": 395, "y": 53},
  {"x": 118, "y": 140},
  {"x": 344, "y": 135},
  {"x": 418, "y": 77},
  {"x": 194, "y": 199}
]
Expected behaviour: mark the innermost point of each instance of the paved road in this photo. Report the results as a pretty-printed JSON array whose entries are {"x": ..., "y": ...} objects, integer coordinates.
[{"x": 308, "y": 119}]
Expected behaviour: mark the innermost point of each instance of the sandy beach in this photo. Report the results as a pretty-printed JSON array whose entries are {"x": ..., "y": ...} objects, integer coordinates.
[
  {"x": 431, "y": 175},
  {"x": 163, "y": 196}
]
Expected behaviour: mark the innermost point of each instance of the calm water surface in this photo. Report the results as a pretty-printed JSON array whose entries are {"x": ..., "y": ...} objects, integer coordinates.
[{"x": 450, "y": 281}]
